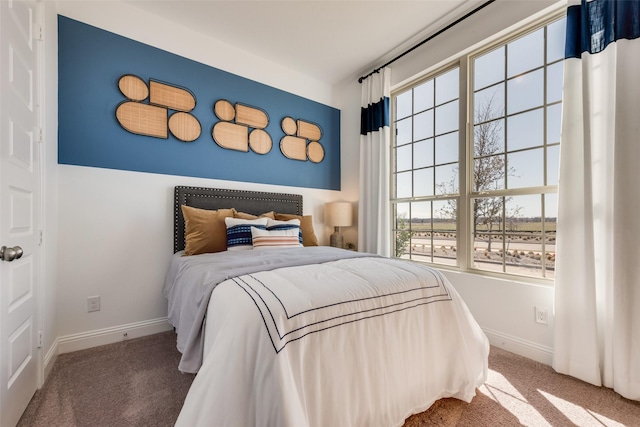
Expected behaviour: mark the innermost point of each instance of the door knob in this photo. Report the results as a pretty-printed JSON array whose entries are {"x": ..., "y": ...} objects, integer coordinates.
[{"x": 9, "y": 254}]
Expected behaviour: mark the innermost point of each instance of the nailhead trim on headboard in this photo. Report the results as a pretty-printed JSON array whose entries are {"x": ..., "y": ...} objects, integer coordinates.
[{"x": 253, "y": 202}]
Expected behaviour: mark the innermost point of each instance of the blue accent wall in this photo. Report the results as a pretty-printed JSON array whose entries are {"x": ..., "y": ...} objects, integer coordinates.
[{"x": 91, "y": 61}]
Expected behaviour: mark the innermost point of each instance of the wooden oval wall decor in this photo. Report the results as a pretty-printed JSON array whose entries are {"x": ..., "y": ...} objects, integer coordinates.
[
  {"x": 172, "y": 97},
  {"x": 315, "y": 152},
  {"x": 184, "y": 126},
  {"x": 224, "y": 110},
  {"x": 302, "y": 140},
  {"x": 133, "y": 87},
  {"x": 309, "y": 130},
  {"x": 294, "y": 148},
  {"x": 237, "y": 136},
  {"x": 260, "y": 141},
  {"x": 231, "y": 136},
  {"x": 153, "y": 119},
  {"x": 251, "y": 116},
  {"x": 289, "y": 126},
  {"x": 142, "y": 119}
]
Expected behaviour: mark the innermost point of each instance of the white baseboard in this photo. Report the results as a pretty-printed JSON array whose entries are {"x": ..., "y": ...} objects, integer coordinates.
[
  {"x": 84, "y": 340},
  {"x": 528, "y": 349},
  {"x": 50, "y": 359}
]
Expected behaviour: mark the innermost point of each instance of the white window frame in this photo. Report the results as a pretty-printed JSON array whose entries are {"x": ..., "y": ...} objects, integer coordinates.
[{"x": 464, "y": 223}]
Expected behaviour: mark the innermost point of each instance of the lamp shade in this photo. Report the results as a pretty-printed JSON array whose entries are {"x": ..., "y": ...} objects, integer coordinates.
[{"x": 338, "y": 214}]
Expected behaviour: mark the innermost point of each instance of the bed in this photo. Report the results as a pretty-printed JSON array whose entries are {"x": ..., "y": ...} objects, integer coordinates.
[{"x": 313, "y": 335}]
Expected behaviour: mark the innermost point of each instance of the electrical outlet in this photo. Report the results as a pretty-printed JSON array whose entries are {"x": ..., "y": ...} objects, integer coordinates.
[
  {"x": 542, "y": 315},
  {"x": 93, "y": 304}
]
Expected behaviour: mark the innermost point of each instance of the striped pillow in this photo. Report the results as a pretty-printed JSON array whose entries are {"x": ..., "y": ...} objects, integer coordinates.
[
  {"x": 263, "y": 239},
  {"x": 293, "y": 224},
  {"x": 239, "y": 232}
]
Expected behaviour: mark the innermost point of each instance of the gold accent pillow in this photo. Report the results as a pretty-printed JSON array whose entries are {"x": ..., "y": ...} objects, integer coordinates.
[
  {"x": 243, "y": 215},
  {"x": 309, "y": 237},
  {"x": 205, "y": 230}
]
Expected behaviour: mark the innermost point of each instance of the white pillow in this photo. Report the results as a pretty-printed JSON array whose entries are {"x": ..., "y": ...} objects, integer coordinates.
[
  {"x": 263, "y": 239},
  {"x": 239, "y": 232}
]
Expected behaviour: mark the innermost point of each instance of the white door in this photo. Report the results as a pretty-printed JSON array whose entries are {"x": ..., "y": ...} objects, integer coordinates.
[{"x": 19, "y": 207}]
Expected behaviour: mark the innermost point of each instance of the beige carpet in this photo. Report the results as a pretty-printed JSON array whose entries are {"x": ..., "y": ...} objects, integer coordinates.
[
  {"x": 136, "y": 383},
  {"x": 130, "y": 383}
]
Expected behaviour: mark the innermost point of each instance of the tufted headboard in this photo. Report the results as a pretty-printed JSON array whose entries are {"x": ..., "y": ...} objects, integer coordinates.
[{"x": 253, "y": 202}]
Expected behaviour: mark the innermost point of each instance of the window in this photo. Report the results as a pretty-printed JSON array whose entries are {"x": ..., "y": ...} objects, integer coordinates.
[
  {"x": 483, "y": 196},
  {"x": 426, "y": 169}
]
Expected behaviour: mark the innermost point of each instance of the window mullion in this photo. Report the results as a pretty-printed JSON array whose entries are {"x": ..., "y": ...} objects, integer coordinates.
[
  {"x": 465, "y": 141},
  {"x": 544, "y": 235},
  {"x": 505, "y": 116}
]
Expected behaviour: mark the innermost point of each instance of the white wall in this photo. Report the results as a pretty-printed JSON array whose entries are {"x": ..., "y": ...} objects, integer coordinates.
[
  {"x": 348, "y": 98},
  {"x": 115, "y": 227},
  {"x": 505, "y": 311},
  {"x": 503, "y": 308}
]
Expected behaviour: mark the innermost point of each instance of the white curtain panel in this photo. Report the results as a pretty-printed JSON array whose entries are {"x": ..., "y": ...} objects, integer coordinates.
[
  {"x": 597, "y": 285},
  {"x": 375, "y": 150}
]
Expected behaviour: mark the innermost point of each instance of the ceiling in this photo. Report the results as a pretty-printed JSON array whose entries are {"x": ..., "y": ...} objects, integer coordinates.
[{"x": 330, "y": 40}]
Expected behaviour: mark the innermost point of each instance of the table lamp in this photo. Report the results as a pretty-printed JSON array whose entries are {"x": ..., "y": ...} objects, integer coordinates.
[{"x": 337, "y": 214}]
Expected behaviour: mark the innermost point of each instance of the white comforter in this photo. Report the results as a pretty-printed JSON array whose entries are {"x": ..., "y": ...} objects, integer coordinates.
[{"x": 354, "y": 342}]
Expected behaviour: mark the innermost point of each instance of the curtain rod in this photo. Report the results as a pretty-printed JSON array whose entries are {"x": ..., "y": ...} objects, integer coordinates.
[{"x": 437, "y": 33}]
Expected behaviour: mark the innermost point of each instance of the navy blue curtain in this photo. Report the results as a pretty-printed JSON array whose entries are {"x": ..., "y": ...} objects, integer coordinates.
[
  {"x": 592, "y": 25},
  {"x": 374, "y": 116}
]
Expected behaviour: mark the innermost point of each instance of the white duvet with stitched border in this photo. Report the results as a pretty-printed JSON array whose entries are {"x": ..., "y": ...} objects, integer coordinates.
[{"x": 354, "y": 342}]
